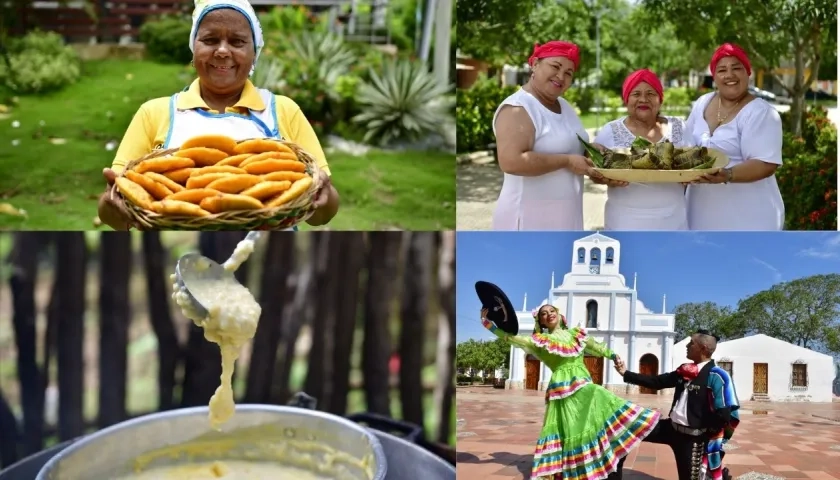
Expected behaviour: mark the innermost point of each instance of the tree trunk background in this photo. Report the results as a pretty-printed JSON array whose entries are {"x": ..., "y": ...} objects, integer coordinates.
[
  {"x": 383, "y": 258},
  {"x": 71, "y": 272},
  {"x": 23, "y": 260},
  {"x": 158, "y": 290},
  {"x": 116, "y": 261},
  {"x": 273, "y": 296},
  {"x": 414, "y": 311}
]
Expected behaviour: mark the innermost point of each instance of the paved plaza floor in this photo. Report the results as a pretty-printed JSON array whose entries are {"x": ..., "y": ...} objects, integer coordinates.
[{"x": 774, "y": 440}]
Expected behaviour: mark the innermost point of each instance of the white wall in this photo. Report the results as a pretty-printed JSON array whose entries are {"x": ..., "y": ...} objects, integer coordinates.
[{"x": 779, "y": 357}]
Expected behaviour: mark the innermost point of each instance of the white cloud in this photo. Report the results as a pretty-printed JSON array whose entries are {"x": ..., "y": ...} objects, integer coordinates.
[
  {"x": 827, "y": 248},
  {"x": 777, "y": 275}
]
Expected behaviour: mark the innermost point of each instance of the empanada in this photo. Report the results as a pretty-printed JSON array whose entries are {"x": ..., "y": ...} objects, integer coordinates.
[
  {"x": 177, "y": 208},
  {"x": 181, "y": 175},
  {"x": 201, "y": 181},
  {"x": 297, "y": 189},
  {"x": 235, "y": 160},
  {"x": 280, "y": 176},
  {"x": 264, "y": 190},
  {"x": 163, "y": 180},
  {"x": 269, "y": 156},
  {"x": 203, "y": 156},
  {"x": 268, "y": 166},
  {"x": 195, "y": 195},
  {"x": 219, "y": 142},
  {"x": 234, "y": 183},
  {"x": 157, "y": 190},
  {"x": 260, "y": 145},
  {"x": 163, "y": 164},
  {"x": 134, "y": 193},
  {"x": 229, "y": 202}
]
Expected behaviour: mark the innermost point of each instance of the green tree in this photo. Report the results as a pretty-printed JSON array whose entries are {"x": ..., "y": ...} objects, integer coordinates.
[
  {"x": 690, "y": 317},
  {"x": 800, "y": 31},
  {"x": 803, "y": 312},
  {"x": 484, "y": 26}
]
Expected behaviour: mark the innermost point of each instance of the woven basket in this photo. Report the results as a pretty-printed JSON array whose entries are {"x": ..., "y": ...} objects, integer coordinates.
[{"x": 279, "y": 218}]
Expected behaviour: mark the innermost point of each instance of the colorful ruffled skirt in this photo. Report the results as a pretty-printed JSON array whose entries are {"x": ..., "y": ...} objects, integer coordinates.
[{"x": 586, "y": 431}]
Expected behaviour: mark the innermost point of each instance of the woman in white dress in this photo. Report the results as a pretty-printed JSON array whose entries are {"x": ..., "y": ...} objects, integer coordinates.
[
  {"x": 644, "y": 206},
  {"x": 744, "y": 195},
  {"x": 538, "y": 149}
]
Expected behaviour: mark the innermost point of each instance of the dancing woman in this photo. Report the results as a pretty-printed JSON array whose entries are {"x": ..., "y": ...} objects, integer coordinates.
[{"x": 587, "y": 430}]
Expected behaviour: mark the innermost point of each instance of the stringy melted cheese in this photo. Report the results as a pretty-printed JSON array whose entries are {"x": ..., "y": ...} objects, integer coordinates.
[{"x": 231, "y": 322}]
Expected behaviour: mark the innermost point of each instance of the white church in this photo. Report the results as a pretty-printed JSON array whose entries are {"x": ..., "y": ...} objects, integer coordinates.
[{"x": 594, "y": 294}]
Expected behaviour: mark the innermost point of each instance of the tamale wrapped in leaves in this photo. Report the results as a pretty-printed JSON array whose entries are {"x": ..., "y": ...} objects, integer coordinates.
[
  {"x": 664, "y": 152},
  {"x": 645, "y": 155}
]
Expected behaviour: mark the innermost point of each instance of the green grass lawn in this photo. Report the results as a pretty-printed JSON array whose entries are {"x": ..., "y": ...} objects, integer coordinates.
[{"x": 50, "y": 166}]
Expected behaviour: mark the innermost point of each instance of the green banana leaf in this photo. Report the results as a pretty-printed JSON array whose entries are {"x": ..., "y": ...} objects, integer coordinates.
[
  {"x": 709, "y": 164},
  {"x": 594, "y": 154},
  {"x": 641, "y": 143}
]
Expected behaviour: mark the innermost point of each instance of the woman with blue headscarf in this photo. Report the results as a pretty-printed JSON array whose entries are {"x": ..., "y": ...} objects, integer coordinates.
[{"x": 226, "y": 39}]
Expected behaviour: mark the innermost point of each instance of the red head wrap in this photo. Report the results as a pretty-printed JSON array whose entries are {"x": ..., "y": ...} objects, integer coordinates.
[
  {"x": 556, "y": 48},
  {"x": 730, "y": 50},
  {"x": 640, "y": 76}
]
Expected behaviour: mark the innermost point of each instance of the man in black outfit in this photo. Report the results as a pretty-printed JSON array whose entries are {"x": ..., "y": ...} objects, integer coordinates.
[{"x": 700, "y": 411}]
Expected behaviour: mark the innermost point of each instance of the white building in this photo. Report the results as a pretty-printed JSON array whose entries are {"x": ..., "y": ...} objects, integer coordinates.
[
  {"x": 594, "y": 294},
  {"x": 766, "y": 368}
]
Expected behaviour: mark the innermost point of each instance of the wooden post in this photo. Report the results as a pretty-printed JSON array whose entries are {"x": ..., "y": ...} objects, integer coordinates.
[
  {"x": 158, "y": 290},
  {"x": 115, "y": 264},
  {"x": 23, "y": 261},
  {"x": 352, "y": 257},
  {"x": 382, "y": 259},
  {"x": 71, "y": 270},
  {"x": 414, "y": 310}
]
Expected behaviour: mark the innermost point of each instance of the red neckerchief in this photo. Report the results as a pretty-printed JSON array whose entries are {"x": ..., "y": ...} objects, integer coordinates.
[{"x": 688, "y": 371}]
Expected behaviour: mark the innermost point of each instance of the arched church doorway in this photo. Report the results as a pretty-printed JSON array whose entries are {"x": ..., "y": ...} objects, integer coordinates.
[
  {"x": 532, "y": 372},
  {"x": 648, "y": 365}
]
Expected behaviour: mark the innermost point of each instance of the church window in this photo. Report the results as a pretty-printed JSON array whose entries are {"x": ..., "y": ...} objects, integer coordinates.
[
  {"x": 595, "y": 261},
  {"x": 581, "y": 255},
  {"x": 799, "y": 375},
  {"x": 592, "y": 314},
  {"x": 610, "y": 255}
]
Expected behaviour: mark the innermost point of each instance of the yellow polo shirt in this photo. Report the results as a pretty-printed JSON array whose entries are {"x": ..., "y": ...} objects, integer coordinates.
[{"x": 150, "y": 125}]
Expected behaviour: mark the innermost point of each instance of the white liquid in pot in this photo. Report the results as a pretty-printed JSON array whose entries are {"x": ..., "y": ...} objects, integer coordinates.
[{"x": 227, "y": 470}]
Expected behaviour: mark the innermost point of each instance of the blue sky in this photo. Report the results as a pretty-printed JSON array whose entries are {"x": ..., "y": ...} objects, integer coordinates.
[{"x": 685, "y": 266}]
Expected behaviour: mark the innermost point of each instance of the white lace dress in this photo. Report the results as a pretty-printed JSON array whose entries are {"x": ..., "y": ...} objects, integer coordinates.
[{"x": 644, "y": 206}]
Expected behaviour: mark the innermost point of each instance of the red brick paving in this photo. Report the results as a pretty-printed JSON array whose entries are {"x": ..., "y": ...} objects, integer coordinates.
[{"x": 787, "y": 440}]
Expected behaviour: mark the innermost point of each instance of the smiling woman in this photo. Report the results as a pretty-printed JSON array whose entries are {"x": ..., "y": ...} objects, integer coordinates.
[{"x": 226, "y": 39}]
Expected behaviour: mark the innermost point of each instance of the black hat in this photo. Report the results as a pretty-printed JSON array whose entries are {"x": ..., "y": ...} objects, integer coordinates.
[
  {"x": 703, "y": 331},
  {"x": 500, "y": 310}
]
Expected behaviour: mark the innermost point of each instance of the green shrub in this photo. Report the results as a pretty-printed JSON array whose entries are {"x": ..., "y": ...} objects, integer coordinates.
[
  {"x": 808, "y": 176},
  {"x": 464, "y": 379},
  {"x": 404, "y": 101},
  {"x": 40, "y": 63},
  {"x": 679, "y": 97},
  {"x": 474, "y": 113},
  {"x": 167, "y": 39}
]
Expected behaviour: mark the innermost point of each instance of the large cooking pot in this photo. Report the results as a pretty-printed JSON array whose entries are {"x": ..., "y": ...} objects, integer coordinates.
[
  {"x": 110, "y": 452},
  {"x": 408, "y": 455}
]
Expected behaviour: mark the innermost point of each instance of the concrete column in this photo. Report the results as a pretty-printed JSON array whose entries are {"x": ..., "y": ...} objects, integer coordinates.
[{"x": 443, "y": 38}]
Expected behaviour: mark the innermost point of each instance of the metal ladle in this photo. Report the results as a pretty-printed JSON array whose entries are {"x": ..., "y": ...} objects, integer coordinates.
[{"x": 193, "y": 268}]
